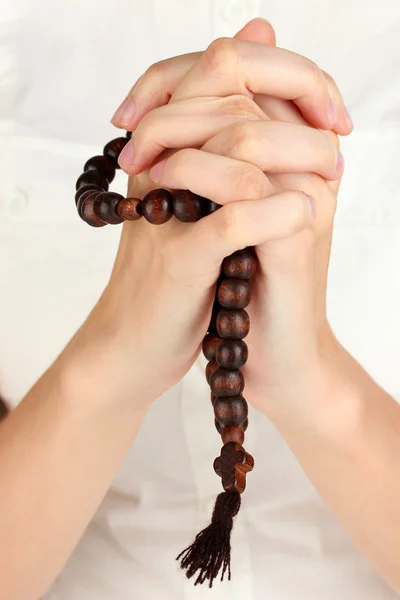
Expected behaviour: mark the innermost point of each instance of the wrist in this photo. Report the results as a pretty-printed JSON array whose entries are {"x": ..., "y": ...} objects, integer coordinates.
[
  {"x": 97, "y": 369},
  {"x": 328, "y": 401}
]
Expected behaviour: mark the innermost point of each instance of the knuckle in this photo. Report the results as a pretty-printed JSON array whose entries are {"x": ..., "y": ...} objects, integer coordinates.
[
  {"x": 249, "y": 181},
  {"x": 229, "y": 226},
  {"x": 241, "y": 141},
  {"x": 155, "y": 71},
  {"x": 298, "y": 213},
  {"x": 242, "y": 106},
  {"x": 314, "y": 74},
  {"x": 220, "y": 54},
  {"x": 328, "y": 78}
]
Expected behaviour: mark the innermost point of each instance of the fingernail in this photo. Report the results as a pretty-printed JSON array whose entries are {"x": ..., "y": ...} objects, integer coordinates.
[
  {"x": 348, "y": 118},
  {"x": 157, "y": 170},
  {"x": 313, "y": 205},
  {"x": 331, "y": 112},
  {"x": 127, "y": 157},
  {"x": 339, "y": 162},
  {"x": 124, "y": 113}
]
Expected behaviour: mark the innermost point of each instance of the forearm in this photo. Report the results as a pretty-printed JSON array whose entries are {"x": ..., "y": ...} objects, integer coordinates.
[
  {"x": 59, "y": 451},
  {"x": 350, "y": 451}
]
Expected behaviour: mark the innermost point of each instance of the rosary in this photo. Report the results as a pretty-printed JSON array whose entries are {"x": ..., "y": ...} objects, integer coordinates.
[{"x": 223, "y": 345}]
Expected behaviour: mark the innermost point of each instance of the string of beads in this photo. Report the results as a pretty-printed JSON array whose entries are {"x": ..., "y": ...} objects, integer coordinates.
[{"x": 223, "y": 346}]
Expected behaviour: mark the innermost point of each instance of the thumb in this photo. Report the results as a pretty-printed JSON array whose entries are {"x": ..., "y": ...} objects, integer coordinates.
[
  {"x": 249, "y": 223},
  {"x": 257, "y": 30}
]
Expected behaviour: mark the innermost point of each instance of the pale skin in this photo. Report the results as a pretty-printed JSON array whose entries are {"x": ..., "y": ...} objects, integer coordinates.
[{"x": 62, "y": 445}]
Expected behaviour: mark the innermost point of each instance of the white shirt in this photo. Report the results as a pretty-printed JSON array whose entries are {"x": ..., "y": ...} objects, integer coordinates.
[{"x": 64, "y": 68}]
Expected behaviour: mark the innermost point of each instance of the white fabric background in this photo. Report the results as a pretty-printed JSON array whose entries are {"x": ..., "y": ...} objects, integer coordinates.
[{"x": 64, "y": 68}]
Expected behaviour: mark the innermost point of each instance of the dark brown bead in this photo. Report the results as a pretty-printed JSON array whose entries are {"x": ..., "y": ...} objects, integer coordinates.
[
  {"x": 210, "y": 344},
  {"x": 212, "y": 207},
  {"x": 157, "y": 206},
  {"x": 93, "y": 177},
  {"x": 90, "y": 187},
  {"x": 113, "y": 149},
  {"x": 216, "y": 308},
  {"x": 231, "y": 410},
  {"x": 129, "y": 134},
  {"x": 188, "y": 207},
  {"x": 212, "y": 398},
  {"x": 210, "y": 368},
  {"x": 234, "y": 293},
  {"x": 106, "y": 207},
  {"x": 232, "y": 466},
  {"x": 89, "y": 193},
  {"x": 86, "y": 210},
  {"x": 232, "y": 433},
  {"x": 241, "y": 264},
  {"x": 128, "y": 209},
  {"x": 102, "y": 164},
  {"x": 220, "y": 427},
  {"x": 227, "y": 382},
  {"x": 233, "y": 324},
  {"x": 231, "y": 354}
]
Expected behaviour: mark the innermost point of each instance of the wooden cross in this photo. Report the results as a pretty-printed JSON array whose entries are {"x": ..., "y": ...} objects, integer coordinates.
[{"x": 232, "y": 466}]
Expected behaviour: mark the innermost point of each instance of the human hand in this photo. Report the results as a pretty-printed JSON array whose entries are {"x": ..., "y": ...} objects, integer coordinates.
[{"x": 288, "y": 316}]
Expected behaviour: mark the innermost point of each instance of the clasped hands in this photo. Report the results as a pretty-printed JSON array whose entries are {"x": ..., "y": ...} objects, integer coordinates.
[{"x": 254, "y": 128}]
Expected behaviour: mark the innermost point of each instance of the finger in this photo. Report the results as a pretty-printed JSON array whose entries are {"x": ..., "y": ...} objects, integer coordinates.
[
  {"x": 252, "y": 222},
  {"x": 218, "y": 178},
  {"x": 236, "y": 127},
  {"x": 344, "y": 124},
  {"x": 183, "y": 124},
  {"x": 240, "y": 67},
  {"x": 282, "y": 110},
  {"x": 156, "y": 86},
  {"x": 257, "y": 30},
  {"x": 278, "y": 147}
]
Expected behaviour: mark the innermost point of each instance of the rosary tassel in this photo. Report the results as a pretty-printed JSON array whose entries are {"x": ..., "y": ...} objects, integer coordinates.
[{"x": 211, "y": 549}]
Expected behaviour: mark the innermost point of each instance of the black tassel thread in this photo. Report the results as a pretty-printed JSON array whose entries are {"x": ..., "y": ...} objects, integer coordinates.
[{"x": 211, "y": 549}]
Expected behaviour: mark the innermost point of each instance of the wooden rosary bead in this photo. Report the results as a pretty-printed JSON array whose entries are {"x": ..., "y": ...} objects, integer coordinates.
[
  {"x": 210, "y": 368},
  {"x": 226, "y": 382},
  {"x": 86, "y": 188},
  {"x": 86, "y": 210},
  {"x": 234, "y": 293},
  {"x": 231, "y": 354},
  {"x": 241, "y": 264},
  {"x": 113, "y": 149},
  {"x": 129, "y": 134},
  {"x": 212, "y": 398},
  {"x": 212, "y": 207},
  {"x": 89, "y": 193},
  {"x": 233, "y": 324},
  {"x": 102, "y": 164},
  {"x": 233, "y": 433},
  {"x": 220, "y": 427},
  {"x": 129, "y": 209},
  {"x": 93, "y": 177},
  {"x": 188, "y": 207},
  {"x": 231, "y": 410},
  {"x": 216, "y": 308},
  {"x": 156, "y": 206},
  {"x": 210, "y": 344},
  {"x": 232, "y": 466},
  {"x": 106, "y": 207}
]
